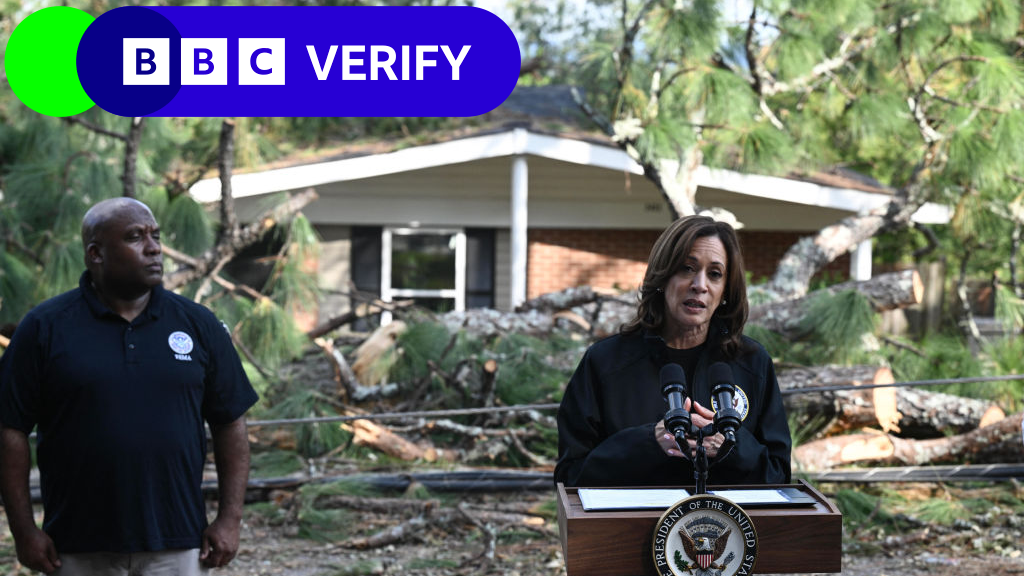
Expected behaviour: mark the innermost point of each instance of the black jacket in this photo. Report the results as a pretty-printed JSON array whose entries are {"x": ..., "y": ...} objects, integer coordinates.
[{"x": 613, "y": 402}]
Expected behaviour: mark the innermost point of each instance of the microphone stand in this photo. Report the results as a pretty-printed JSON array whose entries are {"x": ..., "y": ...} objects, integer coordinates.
[{"x": 700, "y": 461}]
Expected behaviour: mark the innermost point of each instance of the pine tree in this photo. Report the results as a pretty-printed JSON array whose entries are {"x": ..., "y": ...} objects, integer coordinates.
[{"x": 923, "y": 95}]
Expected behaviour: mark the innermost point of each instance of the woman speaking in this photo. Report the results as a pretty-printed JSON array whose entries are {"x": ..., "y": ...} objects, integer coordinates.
[{"x": 692, "y": 309}]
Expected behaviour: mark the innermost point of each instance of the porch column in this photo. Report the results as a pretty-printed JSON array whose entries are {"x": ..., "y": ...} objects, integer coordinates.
[
  {"x": 520, "y": 191},
  {"x": 860, "y": 261}
]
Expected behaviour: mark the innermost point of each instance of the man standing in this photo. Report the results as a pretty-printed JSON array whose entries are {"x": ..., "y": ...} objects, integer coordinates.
[{"x": 119, "y": 376}]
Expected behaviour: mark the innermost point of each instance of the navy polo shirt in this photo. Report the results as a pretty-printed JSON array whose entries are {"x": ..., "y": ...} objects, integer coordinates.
[{"x": 120, "y": 408}]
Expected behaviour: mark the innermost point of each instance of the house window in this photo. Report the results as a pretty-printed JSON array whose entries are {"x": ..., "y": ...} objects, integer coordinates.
[
  {"x": 422, "y": 265},
  {"x": 427, "y": 265}
]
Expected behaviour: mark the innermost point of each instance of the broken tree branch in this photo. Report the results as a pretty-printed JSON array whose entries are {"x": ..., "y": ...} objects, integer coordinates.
[{"x": 247, "y": 235}]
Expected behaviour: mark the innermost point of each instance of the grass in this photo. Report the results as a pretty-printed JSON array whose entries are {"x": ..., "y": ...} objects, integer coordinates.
[
  {"x": 877, "y": 510},
  {"x": 329, "y": 525},
  {"x": 275, "y": 463},
  {"x": 326, "y": 525}
]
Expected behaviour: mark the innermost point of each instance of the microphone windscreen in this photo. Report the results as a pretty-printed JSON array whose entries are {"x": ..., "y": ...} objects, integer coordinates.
[
  {"x": 720, "y": 372},
  {"x": 672, "y": 373}
]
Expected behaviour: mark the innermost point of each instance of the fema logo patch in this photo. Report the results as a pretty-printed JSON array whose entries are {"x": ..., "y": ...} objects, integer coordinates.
[
  {"x": 704, "y": 535},
  {"x": 180, "y": 342},
  {"x": 739, "y": 401}
]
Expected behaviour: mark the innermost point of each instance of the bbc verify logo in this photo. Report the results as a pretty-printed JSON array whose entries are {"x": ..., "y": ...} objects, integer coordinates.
[
  {"x": 340, "y": 61},
  {"x": 261, "y": 61},
  {"x": 204, "y": 62}
]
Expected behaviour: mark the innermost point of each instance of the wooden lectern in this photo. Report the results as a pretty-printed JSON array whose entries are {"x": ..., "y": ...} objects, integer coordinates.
[{"x": 618, "y": 543}]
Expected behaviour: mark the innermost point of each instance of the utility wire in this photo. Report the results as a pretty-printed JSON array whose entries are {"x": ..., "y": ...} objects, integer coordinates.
[
  {"x": 907, "y": 384},
  {"x": 553, "y": 406},
  {"x": 405, "y": 415}
]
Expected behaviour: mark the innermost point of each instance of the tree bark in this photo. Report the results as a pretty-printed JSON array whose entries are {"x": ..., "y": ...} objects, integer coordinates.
[
  {"x": 926, "y": 414},
  {"x": 998, "y": 442},
  {"x": 835, "y": 411},
  {"x": 226, "y": 163},
  {"x": 884, "y": 292},
  {"x": 131, "y": 155},
  {"x": 812, "y": 253},
  {"x": 909, "y": 412},
  {"x": 366, "y": 433},
  {"x": 362, "y": 310},
  {"x": 366, "y": 364},
  {"x": 566, "y": 299},
  {"x": 600, "y": 313}
]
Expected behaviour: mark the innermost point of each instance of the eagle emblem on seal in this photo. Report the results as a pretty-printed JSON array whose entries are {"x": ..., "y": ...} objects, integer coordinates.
[{"x": 705, "y": 547}]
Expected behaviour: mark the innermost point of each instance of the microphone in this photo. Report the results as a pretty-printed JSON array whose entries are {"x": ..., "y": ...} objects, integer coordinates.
[
  {"x": 727, "y": 419},
  {"x": 673, "y": 388}
]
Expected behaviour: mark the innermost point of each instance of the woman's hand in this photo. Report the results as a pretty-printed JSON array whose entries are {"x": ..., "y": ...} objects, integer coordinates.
[
  {"x": 666, "y": 440},
  {"x": 701, "y": 417}
]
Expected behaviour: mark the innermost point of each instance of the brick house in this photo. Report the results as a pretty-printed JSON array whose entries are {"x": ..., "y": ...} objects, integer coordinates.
[{"x": 524, "y": 203}]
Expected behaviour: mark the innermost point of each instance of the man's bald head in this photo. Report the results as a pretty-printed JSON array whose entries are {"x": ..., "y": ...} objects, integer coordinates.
[
  {"x": 102, "y": 213},
  {"x": 122, "y": 248}
]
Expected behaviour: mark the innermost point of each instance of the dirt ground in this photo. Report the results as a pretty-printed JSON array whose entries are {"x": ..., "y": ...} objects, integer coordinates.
[
  {"x": 268, "y": 551},
  {"x": 281, "y": 538}
]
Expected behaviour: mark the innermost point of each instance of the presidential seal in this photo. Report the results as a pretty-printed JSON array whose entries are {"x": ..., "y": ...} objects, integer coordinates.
[
  {"x": 739, "y": 401},
  {"x": 704, "y": 535}
]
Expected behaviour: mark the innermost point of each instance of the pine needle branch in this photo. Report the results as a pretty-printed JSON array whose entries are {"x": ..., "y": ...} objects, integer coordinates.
[
  {"x": 246, "y": 236},
  {"x": 69, "y": 161},
  {"x": 12, "y": 243},
  {"x": 96, "y": 128}
]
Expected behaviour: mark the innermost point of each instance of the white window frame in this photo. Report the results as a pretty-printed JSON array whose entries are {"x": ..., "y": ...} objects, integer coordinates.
[{"x": 389, "y": 294}]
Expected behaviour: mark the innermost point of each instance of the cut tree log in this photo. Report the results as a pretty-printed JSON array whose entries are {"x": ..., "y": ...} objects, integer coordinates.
[
  {"x": 835, "y": 411},
  {"x": 910, "y": 412},
  {"x": 927, "y": 414},
  {"x": 366, "y": 366},
  {"x": 366, "y": 433},
  {"x": 884, "y": 292},
  {"x": 995, "y": 443}
]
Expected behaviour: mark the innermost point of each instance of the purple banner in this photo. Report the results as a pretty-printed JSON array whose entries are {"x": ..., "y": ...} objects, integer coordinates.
[{"x": 298, "y": 61}]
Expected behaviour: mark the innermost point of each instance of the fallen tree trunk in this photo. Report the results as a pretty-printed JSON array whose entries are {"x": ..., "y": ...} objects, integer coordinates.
[
  {"x": 884, "y": 292},
  {"x": 600, "y": 312},
  {"x": 926, "y": 414},
  {"x": 999, "y": 442},
  {"x": 835, "y": 411},
  {"x": 910, "y": 412},
  {"x": 362, "y": 310},
  {"x": 568, "y": 299}
]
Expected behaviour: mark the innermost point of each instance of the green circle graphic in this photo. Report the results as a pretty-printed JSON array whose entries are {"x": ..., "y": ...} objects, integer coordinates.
[{"x": 40, "y": 61}]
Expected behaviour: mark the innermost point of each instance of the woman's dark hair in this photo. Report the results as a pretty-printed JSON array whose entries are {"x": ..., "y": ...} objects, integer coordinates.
[{"x": 668, "y": 257}]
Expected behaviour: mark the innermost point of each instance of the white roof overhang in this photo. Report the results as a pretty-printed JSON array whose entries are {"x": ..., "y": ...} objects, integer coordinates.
[{"x": 520, "y": 141}]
